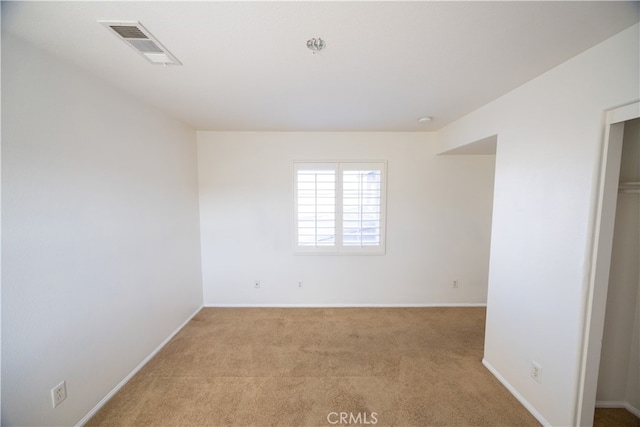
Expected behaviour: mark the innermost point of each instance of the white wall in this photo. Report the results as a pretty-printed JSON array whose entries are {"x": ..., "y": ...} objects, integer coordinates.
[
  {"x": 616, "y": 382},
  {"x": 550, "y": 133},
  {"x": 100, "y": 238},
  {"x": 438, "y": 222}
]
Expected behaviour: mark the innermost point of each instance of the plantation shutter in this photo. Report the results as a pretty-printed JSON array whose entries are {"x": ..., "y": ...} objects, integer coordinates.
[
  {"x": 362, "y": 207},
  {"x": 316, "y": 206},
  {"x": 339, "y": 207}
]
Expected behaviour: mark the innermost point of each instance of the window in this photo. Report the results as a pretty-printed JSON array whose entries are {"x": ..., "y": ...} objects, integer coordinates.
[{"x": 339, "y": 207}]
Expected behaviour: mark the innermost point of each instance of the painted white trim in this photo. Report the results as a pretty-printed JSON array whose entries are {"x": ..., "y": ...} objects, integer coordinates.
[
  {"x": 610, "y": 404},
  {"x": 618, "y": 404},
  {"x": 629, "y": 407},
  {"x": 344, "y": 305},
  {"x": 516, "y": 394},
  {"x": 135, "y": 370},
  {"x": 624, "y": 113}
]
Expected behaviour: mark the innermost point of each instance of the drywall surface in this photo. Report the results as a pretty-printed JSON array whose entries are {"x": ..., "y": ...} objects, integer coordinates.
[
  {"x": 617, "y": 356},
  {"x": 438, "y": 222},
  {"x": 550, "y": 133},
  {"x": 100, "y": 238}
]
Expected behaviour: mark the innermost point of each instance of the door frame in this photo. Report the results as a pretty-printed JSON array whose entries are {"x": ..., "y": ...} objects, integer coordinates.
[{"x": 601, "y": 238}]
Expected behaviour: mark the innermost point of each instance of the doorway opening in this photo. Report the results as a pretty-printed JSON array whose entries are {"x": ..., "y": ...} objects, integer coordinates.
[{"x": 602, "y": 247}]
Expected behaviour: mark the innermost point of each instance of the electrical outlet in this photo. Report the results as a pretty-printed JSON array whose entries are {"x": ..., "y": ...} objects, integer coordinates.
[
  {"x": 300, "y": 284},
  {"x": 58, "y": 394},
  {"x": 256, "y": 284},
  {"x": 536, "y": 371},
  {"x": 455, "y": 284}
]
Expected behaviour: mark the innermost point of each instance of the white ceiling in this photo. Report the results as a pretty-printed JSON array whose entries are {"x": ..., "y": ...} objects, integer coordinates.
[{"x": 247, "y": 67}]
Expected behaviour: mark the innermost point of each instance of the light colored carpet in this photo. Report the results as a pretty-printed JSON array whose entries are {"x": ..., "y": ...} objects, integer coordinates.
[
  {"x": 615, "y": 417},
  {"x": 303, "y": 367}
]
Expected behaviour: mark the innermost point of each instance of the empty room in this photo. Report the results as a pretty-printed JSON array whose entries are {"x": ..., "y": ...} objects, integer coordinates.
[{"x": 320, "y": 213}]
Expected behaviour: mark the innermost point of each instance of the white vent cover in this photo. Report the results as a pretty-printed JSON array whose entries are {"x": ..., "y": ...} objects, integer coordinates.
[{"x": 141, "y": 40}]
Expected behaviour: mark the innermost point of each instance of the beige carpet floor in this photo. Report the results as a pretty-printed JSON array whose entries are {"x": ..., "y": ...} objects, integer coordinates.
[
  {"x": 618, "y": 417},
  {"x": 304, "y": 367}
]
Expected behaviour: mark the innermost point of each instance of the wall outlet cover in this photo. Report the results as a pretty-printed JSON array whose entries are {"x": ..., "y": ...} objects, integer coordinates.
[
  {"x": 536, "y": 372},
  {"x": 58, "y": 394}
]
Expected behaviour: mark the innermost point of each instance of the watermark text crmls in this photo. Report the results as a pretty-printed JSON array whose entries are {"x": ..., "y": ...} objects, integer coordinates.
[{"x": 352, "y": 418}]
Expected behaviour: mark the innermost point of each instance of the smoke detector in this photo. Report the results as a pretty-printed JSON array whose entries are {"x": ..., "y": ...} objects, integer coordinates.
[{"x": 142, "y": 41}]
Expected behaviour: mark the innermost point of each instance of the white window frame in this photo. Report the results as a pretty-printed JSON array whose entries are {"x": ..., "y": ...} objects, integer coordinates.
[{"x": 339, "y": 167}]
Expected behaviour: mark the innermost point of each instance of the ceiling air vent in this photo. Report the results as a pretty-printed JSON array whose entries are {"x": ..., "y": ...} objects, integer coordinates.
[{"x": 141, "y": 40}]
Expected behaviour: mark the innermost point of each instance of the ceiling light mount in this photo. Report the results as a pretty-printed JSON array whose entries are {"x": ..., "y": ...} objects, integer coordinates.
[
  {"x": 315, "y": 44},
  {"x": 424, "y": 120}
]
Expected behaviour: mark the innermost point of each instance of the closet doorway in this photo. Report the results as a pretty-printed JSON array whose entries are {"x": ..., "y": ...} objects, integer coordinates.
[
  {"x": 601, "y": 267},
  {"x": 619, "y": 373}
]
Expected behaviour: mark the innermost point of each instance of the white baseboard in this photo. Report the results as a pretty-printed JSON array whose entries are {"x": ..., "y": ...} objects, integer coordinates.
[
  {"x": 629, "y": 407},
  {"x": 516, "y": 394},
  {"x": 618, "y": 404},
  {"x": 462, "y": 304},
  {"x": 609, "y": 404},
  {"x": 126, "y": 379}
]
